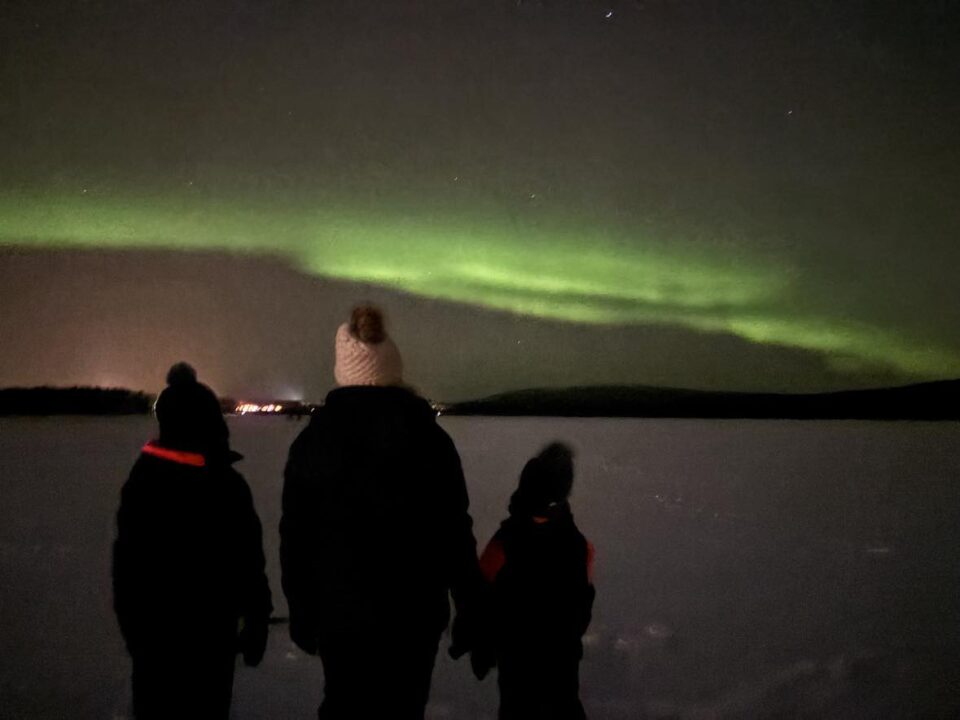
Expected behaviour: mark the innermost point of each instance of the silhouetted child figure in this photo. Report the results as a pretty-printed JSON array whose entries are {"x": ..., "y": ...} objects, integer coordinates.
[
  {"x": 539, "y": 567},
  {"x": 189, "y": 585}
]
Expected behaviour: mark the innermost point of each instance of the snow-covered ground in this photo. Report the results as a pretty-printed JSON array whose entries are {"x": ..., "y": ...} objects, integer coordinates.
[{"x": 745, "y": 569}]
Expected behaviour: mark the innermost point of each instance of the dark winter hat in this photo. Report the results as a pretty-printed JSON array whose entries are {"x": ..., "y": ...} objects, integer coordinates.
[
  {"x": 546, "y": 480},
  {"x": 365, "y": 354},
  {"x": 189, "y": 414}
]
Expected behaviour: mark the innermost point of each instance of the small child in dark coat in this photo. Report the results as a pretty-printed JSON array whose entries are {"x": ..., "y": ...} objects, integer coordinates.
[
  {"x": 189, "y": 585},
  {"x": 539, "y": 567}
]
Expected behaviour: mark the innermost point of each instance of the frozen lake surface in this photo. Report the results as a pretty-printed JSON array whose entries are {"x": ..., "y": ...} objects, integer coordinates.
[{"x": 745, "y": 569}]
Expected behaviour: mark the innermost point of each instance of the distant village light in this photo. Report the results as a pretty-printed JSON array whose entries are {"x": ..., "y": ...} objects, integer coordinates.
[{"x": 247, "y": 407}]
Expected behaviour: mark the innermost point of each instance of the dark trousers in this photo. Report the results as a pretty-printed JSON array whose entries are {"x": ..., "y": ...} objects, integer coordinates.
[
  {"x": 376, "y": 677},
  {"x": 539, "y": 687},
  {"x": 182, "y": 685}
]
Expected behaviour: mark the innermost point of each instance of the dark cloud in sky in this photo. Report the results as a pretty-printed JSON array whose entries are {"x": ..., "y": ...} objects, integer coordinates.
[{"x": 806, "y": 149}]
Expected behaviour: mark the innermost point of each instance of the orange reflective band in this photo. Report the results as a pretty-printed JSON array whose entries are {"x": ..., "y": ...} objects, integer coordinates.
[
  {"x": 540, "y": 520},
  {"x": 177, "y": 456}
]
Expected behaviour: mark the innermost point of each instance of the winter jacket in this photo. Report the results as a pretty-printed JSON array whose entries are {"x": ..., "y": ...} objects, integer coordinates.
[
  {"x": 188, "y": 561},
  {"x": 540, "y": 569},
  {"x": 375, "y": 528}
]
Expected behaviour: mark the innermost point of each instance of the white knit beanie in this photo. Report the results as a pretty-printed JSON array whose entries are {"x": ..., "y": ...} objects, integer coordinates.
[{"x": 365, "y": 355}]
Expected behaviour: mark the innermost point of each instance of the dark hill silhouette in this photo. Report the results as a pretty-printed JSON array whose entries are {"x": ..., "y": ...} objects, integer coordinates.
[{"x": 924, "y": 401}]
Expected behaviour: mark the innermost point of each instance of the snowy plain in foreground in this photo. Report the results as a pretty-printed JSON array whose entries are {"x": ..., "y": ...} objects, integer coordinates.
[{"x": 745, "y": 569}]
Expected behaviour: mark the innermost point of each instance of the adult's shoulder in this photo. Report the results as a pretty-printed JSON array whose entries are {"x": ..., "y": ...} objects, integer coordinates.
[
  {"x": 314, "y": 426},
  {"x": 439, "y": 435}
]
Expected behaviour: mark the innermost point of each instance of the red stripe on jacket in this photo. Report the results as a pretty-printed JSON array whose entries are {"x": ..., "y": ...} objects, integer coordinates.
[
  {"x": 492, "y": 560},
  {"x": 178, "y": 456}
]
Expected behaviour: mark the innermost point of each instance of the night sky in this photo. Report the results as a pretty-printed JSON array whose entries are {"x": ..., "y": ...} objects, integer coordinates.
[{"x": 747, "y": 195}]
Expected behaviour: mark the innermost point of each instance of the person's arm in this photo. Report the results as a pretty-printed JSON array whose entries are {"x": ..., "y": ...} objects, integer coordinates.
[
  {"x": 589, "y": 592},
  {"x": 483, "y": 657},
  {"x": 256, "y": 604},
  {"x": 295, "y": 547},
  {"x": 125, "y": 569},
  {"x": 466, "y": 581}
]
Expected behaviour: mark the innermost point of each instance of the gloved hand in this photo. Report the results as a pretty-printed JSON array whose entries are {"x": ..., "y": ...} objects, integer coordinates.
[{"x": 253, "y": 640}]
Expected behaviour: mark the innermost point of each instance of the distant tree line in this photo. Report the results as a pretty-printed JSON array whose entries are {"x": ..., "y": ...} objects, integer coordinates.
[
  {"x": 74, "y": 401},
  {"x": 938, "y": 400}
]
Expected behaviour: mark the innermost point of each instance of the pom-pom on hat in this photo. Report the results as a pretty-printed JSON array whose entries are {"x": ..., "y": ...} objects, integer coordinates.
[
  {"x": 365, "y": 354},
  {"x": 190, "y": 415},
  {"x": 546, "y": 480}
]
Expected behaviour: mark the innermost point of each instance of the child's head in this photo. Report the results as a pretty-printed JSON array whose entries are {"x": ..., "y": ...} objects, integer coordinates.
[
  {"x": 546, "y": 480},
  {"x": 189, "y": 414}
]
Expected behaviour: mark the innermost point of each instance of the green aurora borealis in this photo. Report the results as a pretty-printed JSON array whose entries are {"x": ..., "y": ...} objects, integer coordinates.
[
  {"x": 730, "y": 195},
  {"x": 561, "y": 273}
]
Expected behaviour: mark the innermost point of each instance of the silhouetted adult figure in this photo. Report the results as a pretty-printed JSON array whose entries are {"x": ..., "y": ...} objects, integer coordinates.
[
  {"x": 375, "y": 531},
  {"x": 188, "y": 566}
]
